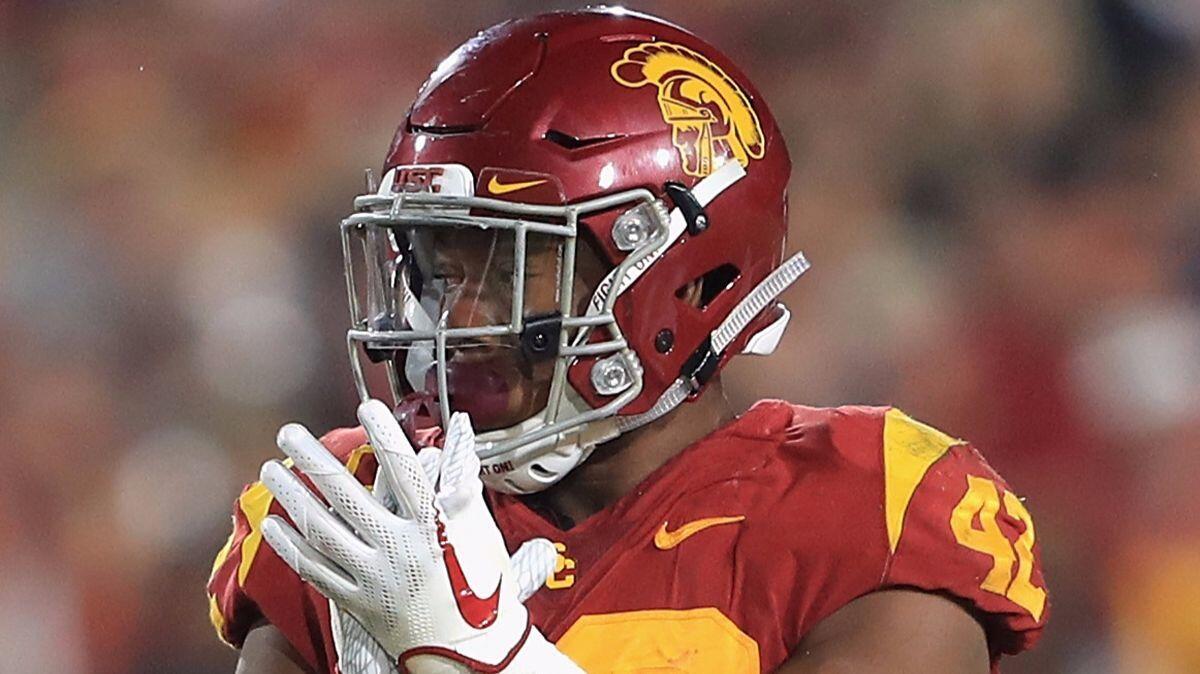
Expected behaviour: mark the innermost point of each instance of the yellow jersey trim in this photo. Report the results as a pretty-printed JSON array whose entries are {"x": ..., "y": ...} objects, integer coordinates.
[
  {"x": 214, "y": 610},
  {"x": 699, "y": 640},
  {"x": 356, "y": 458},
  {"x": 217, "y": 618},
  {"x": 254, "y": 502},
  {"x": 909, "y": 449}
]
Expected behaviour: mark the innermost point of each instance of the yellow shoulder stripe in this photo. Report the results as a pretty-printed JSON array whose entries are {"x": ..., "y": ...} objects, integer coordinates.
[
  {"x": 254, "y": 503},
  {"x": 216, "y": 617},
  {"x": 909, "y": 449},
  {"x": 214, "y": 610}
]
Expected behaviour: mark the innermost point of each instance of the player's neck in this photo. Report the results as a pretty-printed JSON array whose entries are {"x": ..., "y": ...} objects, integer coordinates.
[{"x": 615, "y": 468}]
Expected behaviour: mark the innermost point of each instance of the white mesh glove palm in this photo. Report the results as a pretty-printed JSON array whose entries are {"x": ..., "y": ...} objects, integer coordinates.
[{"x": 432, "y": 582}]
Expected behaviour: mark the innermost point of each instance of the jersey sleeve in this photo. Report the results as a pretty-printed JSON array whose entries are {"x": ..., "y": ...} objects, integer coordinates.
[
  {"x": 250, "y": 584},
  {"x": 955, "y": 528}
]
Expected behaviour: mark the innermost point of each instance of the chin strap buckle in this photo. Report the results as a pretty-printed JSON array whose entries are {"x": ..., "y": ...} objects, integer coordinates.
[{"x": 700, "y": 366}]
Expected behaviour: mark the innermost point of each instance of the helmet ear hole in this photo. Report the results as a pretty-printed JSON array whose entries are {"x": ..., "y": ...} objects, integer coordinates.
[
  {"x": 540, "y": 471},
  {"x": 692, "y": 293},
  {"x": 702, "y": 290}
]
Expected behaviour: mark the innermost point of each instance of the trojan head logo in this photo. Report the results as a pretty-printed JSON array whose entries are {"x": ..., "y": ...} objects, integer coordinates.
[{"x": 710, "y": 116}]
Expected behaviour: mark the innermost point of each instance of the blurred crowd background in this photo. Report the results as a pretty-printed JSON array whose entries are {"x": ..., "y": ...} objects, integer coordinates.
[{"x": 1000, "y": 199}]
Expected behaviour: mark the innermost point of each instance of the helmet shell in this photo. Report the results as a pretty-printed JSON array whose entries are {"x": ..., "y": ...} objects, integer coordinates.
[{"x": 606, "y": 101}]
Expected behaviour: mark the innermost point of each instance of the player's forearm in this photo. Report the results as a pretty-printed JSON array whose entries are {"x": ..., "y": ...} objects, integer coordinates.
[{"x": 267, "y": 651}]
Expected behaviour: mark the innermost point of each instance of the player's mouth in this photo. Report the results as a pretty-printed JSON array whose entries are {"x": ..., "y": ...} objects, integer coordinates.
[{"x": 494, "y": 386}]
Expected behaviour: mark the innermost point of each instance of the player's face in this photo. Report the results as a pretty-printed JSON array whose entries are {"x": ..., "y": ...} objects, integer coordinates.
[
  {"x": 470, "y": 281},
  {"x": 490, "y": 377}
]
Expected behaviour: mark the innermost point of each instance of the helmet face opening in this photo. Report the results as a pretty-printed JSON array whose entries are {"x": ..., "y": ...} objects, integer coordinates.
[
  {"x": 474, "y": 304},
  {"x": 470, "y": 285}
]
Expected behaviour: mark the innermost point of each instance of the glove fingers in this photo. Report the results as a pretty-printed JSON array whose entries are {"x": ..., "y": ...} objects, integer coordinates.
[
  {"x": 532, "y": 565},
  {"x": 384, "y": 492},
  {"x": 430, "y": 459},
  {"x": 459, "y": 481},
  {"x": 312, "y": 518},
  {"x": 307, "y": 562},
  {"x": 406, "y": 478},
  {"x": 346, "y": 495}
]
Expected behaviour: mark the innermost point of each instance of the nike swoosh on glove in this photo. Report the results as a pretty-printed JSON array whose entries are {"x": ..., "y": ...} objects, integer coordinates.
[{"x": 428, "y": 578}]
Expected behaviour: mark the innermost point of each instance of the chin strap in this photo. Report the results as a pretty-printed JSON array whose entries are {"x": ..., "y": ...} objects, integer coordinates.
[
  {"x": 771, "y": 287},
  {"x": 703, "y": 363}
]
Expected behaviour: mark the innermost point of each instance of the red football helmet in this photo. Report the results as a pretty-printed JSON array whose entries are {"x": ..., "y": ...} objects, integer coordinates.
[{"x": 602, "y": 127}]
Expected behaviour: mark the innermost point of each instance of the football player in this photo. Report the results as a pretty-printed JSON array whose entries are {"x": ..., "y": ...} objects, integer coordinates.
[{"x": 580, "y": 221}]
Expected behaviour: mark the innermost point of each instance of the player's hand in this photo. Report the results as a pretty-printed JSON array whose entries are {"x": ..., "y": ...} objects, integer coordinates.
[{"x": 432, "y": 582}]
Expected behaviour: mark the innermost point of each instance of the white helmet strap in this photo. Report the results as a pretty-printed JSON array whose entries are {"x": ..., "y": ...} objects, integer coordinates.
[{"x": 733, "y": 325}]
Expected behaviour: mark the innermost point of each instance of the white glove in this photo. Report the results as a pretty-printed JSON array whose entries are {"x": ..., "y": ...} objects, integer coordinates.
[{"x": 432, "y": 582}]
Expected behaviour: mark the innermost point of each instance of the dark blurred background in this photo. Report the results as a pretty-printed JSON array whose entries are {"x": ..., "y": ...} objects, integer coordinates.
[{"x": 1000, "y": 199}]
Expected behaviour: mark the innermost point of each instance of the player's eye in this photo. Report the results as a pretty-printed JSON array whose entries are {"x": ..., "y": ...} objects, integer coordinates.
[{"x": 448, "y": 280}]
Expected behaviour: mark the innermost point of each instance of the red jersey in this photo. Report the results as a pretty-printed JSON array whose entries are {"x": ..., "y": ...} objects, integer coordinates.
[{"x": 726, "y": 556}]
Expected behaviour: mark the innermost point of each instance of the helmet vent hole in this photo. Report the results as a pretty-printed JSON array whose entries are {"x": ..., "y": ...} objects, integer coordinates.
[
  {"x": 575, "y": 143},
  {"x": 705, "y": 288}
]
